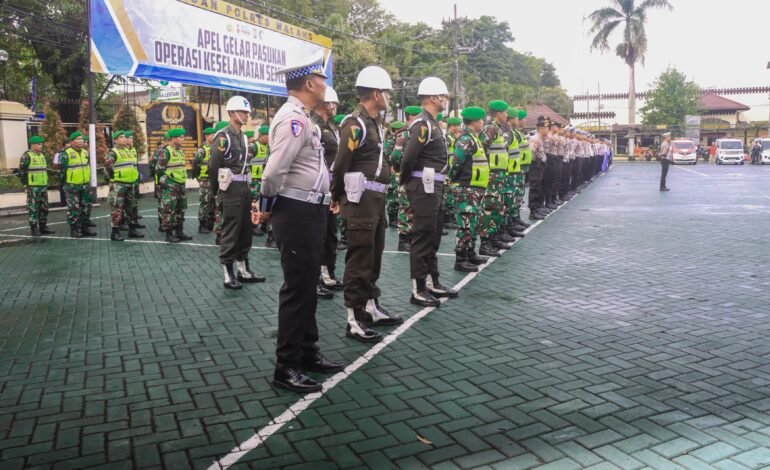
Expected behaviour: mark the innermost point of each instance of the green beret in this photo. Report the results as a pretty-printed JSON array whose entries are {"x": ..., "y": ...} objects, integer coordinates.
[
  {"x": 85, "y": 138},
  {"x": 512, "y": 113},
  {"x": 166, "y": 136},
  {"x": 36, "y": 139},
  {"x": 117, "y": 134},
  {"x": 338, "y": 118},
  {"x": 264, "y": 130},
  {"x": 176, "y": 132},
  {"x": 396, "y": 125},
  {"x": 522, "y": 113},
  {"x": 249, "y": 134},
  {"x": 497, "y": 105},
  {"x": 75, "y": 135},
  {"x": 412, "y": 110},
  {"x": 454, "y": 121},
  {"x": 208, "y": 130},
  {"x": 221, "y": 125},
  {"x": 128, "y": 133},
  {"x": 473, "y": 113},
  {"x": 440, "y": 117}
]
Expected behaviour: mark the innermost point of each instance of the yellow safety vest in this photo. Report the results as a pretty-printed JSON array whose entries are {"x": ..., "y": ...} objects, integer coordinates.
[
  {"x": 175, "y": 167},
  {"x": 258, "y": 162},
  {"x": 498, "y": 154},
  {"x": 124, "y": 168},
  {"x": 37, "y": 173},
  {"x": 205, "y": 163},
  {"x": 514, "y": 156},
  {"x": 78, "y": 170},
  {"x": 480, "y": 166},
  {"x": 526, "y": 152}
]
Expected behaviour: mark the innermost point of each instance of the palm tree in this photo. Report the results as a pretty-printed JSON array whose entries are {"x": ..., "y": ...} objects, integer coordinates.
[{"x": 632, "y": 16}]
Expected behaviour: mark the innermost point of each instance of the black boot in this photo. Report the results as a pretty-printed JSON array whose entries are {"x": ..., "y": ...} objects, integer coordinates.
[
  {"x": 475, "y": 259},
  {"x": 231, "y": 282},
  {"x": 437, "y": 289},
  {"x": 534, "y": 215},
  {"x": 357, "y": 329},
  {"x": 518, "y": 221},
  {"x": 463, "y": 265},
  {"x": 421, "y": 295},
  {"x": 270, "y": 242},
  {"x": 329, "y": 280},
  {"x": 34, "y": 230},
  {"x": 116, "y": 236},
  {"x": 86, "y": 231},
  {"x": 170, "y": 237},
  {"x": 393, "y": 220},
  {"x": 503, "y": 237},
  {"x": 181, "y": 235},
  {"x": 75, "y": 231},
  {"x": 342, "y": 245},
  {"x": 258, "y": 230},
  {"x": 45, "y": 230},
  {"x": 488, "y": 248},
  {"x": 295, "y": 380},
  {"x": 88, "y": 223},
  {"x": 218, "y": 240},
  {"x": 404, "y": 242},
  {"x": 202, "y": 228},
  {"x": 377, "y": 315},
  {"x": 245, "y": 274},
  {"x": 133, "y": 232},
  {"x": 137, "y": 225},
  {"x": 123, "y": 227},
  {"x": 322, "y": 292}
]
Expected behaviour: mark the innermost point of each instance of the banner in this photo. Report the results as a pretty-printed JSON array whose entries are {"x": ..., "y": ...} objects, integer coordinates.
[
  {"x": 198, "y": 42},
  {"x": 162, "y": 117}
]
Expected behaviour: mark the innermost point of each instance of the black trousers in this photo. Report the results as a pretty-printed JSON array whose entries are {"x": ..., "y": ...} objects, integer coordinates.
[
  {"x": 236, "y": 226},
  {"x": 558, "y": 164},
  {"x": 575, "y": 173},
  {"x": 365, "y": 225},
  {"x": 428, "y": 219},
  {"x": 664, "y": 163},
  {"x": 296, "y": 227},
  {"x": 566, "y": 174},
  {"x": 329, "y": 250},
  {"x": 536, "y": 174}
]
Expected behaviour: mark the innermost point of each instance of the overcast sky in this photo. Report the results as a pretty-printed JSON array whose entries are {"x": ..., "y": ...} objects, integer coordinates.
[{"x": 711, "y": 42}]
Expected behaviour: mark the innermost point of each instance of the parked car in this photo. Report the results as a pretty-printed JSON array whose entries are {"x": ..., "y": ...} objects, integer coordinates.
[
  {"x": 729, "y": 151},
  {"x": 765, "y": 155},
  {"x": 684, "y": 151}
]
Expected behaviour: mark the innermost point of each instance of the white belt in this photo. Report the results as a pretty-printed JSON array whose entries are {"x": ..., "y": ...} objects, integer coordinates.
[
  {"x": 437, "y": 177},
  {"x": 246, "y": 178},
  {"x": 306, "y": 196},
  {"x": 376, "y": 187}
]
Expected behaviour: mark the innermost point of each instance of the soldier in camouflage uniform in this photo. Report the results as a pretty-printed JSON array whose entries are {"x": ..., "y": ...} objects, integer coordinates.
[
  {"x": 130, "y": 147},
  {"x": 33, "y": 172},
  {"x": 153, "y": 166},
  {"x": 259, "y": 152},
  {"x": 173, "y": 175},
  {"x": 121, "y": 167},
  {"x": 75, "y": 177},
  {"x": 454, "y": 131},
  {"x": 200, "y": 168},
  {"x": 511, "y": 195},
  {"x": 393, "y": 149},
  {"x": 405, "y": 215},
  {"x": 525, "y": 158}
]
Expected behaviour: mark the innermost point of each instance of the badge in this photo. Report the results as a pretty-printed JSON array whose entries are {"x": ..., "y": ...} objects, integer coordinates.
[
  {"x": 423, "y": 135},
  {"x": 355, "y": 136},
  {"x": 296, "y": 127}
]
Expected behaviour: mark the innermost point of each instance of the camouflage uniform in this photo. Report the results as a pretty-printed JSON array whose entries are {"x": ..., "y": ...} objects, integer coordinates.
[
  {"x": 200, "y": 166},
  {"x": 467, "y": 198},
  {"x": 77, "y": 196},
  {"x": 122, "y": 197},
  {"x": 450, "y": 206},
  {"x": 520, "y": 177},
  {"x": 393, "y": 149},
  {"x": 404, "y": 210},
  {"x": 173, "y": 201},
  {"x": 34, "y": 176},
  {"x": 491, "y": 220},
  {"x": 153, "y": 164}
]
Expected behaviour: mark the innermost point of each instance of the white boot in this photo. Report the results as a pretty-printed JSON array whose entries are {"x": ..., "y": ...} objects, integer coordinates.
[
  {"x": 379, "y": 316},
  {"x": 357, "y": 328}
]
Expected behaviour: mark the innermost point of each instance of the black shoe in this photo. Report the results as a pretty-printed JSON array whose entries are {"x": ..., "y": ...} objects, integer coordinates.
[
  {"x": 115, "y": 236},
  {"x": 376, "y": 315},
  {"x": 518, "y": 221},
  {"x": 139, "y": 216},
  {"x": 87, "y": 232},
  {"x": 203, "y": 229},
  {"x": 45, "y": 230},
  {"x": 231, "y": 282},
  {"x": 421, "y": 295},
  {"x": 181, "y": 235},
  {"x": 123, "y": 227},
  {"x": 444, "y": 232},
  {"x": 316, "y": 362},
  {"x": 552, "y": 206},
  {"x": 171, "y": 238},
  {"x": 516, "y": 234},
  {"x": 34, "y": 230},
  {"x": 323, "y": 293},
  {"x": 160, "y": 227},
  {"x": 437, "y": 289},
  {"x": 536, "y": 216},
  {"x": 404, "y": 242},
  {"x": 665, "y": 189},
  {"x": 342, "y": 245},
  {"x": 463, "y": 265},
  {"x": 258, "y": 231},
  {"x": 245, "y": 273},
  {"x": 133, "y": 233},
  {"x": 487, "y": 248},
  {"x": 357, "y": 329},
  {"x": 218, "y": 240},
  {"x": 270, "y": 242},
  {"x": 503, "y": 237},
  {"x": 88, "y": 223},
  {"x": 75, "y": 232},
  {"x": 329, "y": 280},
  {"x": 294, "y": 380},
  {"x": 475, "y": 259},
  {"x": 138, "y": 226}
]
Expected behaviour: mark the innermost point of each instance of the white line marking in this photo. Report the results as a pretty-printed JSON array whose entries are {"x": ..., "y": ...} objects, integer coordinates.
[
  {"x": 303, "y": 403},
  {"x": 690, "y": 170}
]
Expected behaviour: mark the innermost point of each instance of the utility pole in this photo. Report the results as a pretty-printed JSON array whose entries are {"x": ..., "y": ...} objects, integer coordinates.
[
  {"x": 91, "y": 107},
  {"x": 599, "y": 113},
  {"x": 457, "y": 49}
]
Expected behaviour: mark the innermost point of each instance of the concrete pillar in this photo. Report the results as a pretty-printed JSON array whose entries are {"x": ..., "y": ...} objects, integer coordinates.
[{"x": 13, "y": 133}]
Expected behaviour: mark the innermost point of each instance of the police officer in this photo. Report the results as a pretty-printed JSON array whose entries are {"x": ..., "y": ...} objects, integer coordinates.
[
  {"x": 665, "y": 154},
  {"x": 76, "y": 175},
  {"x": 260, "y": 153},
  {"x": 33, "y": 172},
  {"x": 423, "y": 171},
  {"x": 470, "y": 176},
  {"x": 323, "y": 119},
  {"x": 218, "y": 219},
  {"x": 121, "y": 166},
  {"x": 229, "y": 156},
  {"x": 200, "y": 171},
  {"x": 360, "y": 181},
  {"x": 295, "y": 196}
]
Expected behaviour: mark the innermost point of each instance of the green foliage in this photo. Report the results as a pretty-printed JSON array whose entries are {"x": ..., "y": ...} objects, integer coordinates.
[
  {"x": 671, "y": 99},
  {"x": 53, "y": 131},
  {"x": 101, "y": 140},
  {"x": 125, "y": 119}
]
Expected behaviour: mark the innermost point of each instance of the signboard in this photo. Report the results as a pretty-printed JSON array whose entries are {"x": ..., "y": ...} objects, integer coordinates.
[
  {"x": 692, "y": 128},
  {"x": 161, "y": 117},
  {"x": 199, "y": 42},
  {"x": 168, "y": 94}
]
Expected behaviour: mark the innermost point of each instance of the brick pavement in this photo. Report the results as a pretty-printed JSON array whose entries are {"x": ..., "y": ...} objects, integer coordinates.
[{"x": 627, "y": 331}]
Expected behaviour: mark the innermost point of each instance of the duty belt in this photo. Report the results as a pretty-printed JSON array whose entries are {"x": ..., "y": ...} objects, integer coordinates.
[
  {"x": 246, "y": 177},
  {"x": 306, "y": 196},
  {"x": 438, "y": 177},
  {"x": 376, "y": 187}
]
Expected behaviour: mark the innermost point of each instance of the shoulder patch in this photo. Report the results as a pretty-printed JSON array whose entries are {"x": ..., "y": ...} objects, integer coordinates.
[
  {"x": 423, "y": 137},
  {"x": 355, "y": 136},
  {"x": 296, "y": 127},
  {"x": 222, "y": 144}
]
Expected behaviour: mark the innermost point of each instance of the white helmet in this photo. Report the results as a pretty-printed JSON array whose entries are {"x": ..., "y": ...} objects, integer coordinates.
[
  {"x": 432, "y": 86},
  {"x": 331, "y": 96},
  {"x": 238, "y": 103},
  {"x": 374, "y": 77}
]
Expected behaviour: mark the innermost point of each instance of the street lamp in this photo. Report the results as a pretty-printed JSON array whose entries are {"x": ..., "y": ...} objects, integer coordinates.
[{"x": 3, "y": 60}]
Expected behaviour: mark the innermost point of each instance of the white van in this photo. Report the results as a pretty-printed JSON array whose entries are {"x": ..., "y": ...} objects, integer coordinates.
[
  {"x": 729, "y": 151},
  {"x": 765, "y": 156}
]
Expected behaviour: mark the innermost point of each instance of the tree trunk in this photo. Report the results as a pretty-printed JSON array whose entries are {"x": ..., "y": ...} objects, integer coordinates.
[{"x": 631, "y": 108}]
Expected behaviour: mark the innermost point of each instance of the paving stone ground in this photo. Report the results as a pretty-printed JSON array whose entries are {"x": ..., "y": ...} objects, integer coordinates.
[{"x": 627, "y": 331}]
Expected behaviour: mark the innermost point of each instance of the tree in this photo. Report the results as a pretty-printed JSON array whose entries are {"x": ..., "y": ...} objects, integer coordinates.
[
  {"x": 101, "y": 140},
  {"x": 631, "y": 15},
  {"x": 53, "y": 131},
  {"x": 671, "y": 99},
  {"x": 125, "y": 119}
]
